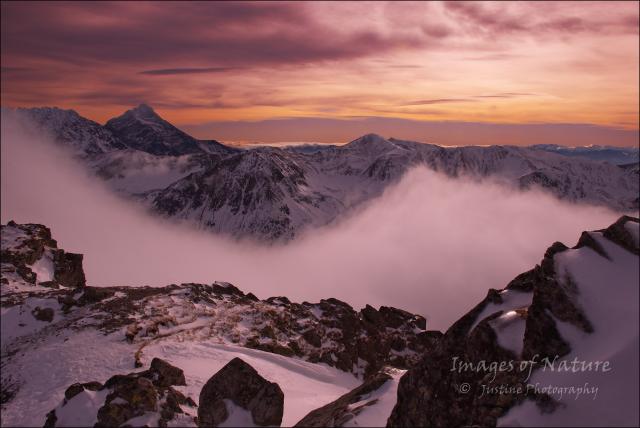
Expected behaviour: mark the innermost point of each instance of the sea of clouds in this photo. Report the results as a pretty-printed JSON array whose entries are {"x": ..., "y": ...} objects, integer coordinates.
[{"x": 430, "y": 244}]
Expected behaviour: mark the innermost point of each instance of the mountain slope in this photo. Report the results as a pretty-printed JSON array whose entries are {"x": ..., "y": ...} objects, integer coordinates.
[
  {"x": 85, "y": 137},
  {"x": 579, "y": 304},
  {"x": 142, "y": 129}
]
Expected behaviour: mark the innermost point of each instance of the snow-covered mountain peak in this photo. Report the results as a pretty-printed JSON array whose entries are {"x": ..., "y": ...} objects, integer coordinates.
[
  {"x": 143, "y": 114},
  {"x": 144, "y": 110},
  {"x": 369, "y": 141},
  {"x": 146, "y": 115},
  {"x": 143, "y": 129},
  {"x": 374, "y": 144}
]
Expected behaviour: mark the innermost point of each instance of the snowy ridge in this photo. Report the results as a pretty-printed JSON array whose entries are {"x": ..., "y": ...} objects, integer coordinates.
[
  {"x": 85, "y": 137},
  {"x": 614, "y": 155},
  {"x": 142, "y": 129},
  {"x": 579, "y": 304},
  {"x": 270, "y": 193}
]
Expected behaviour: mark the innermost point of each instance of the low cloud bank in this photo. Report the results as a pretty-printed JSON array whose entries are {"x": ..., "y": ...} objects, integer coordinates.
[{"x": 431, "y": 245}]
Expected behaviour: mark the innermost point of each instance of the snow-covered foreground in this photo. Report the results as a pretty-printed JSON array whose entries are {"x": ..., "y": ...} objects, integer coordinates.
[
  {"x": 306, "y": 386},
  {"x": 61, "y": 333},
  {"x": 90, "y": 356},
  {"x": 58, "y": 362}
]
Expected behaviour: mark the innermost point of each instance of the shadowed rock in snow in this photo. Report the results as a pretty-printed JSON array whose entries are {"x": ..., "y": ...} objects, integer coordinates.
[
  {"x": 240, "y": 383},
  {"x": 347, "y": 407},
  {"x": 126, "y": 398}
]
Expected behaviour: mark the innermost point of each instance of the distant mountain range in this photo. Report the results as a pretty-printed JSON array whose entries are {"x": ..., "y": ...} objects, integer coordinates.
[
  {"x": 273, "y": 193},
  {"x": 611, "y": 154}
]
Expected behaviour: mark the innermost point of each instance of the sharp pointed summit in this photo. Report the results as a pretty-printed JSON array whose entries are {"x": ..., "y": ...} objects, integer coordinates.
[
  {"x": 143, "y": 111},
  {"x": 143, "y": 129}
]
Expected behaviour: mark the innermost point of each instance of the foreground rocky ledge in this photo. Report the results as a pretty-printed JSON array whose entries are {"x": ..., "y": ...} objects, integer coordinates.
[
  {"x": 44, "y": 301},
  {"x": 44, "y": 296}
]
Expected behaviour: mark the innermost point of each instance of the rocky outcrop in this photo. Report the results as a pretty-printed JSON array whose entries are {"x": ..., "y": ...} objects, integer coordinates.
[
  {"x": 330, "y": 331},
  {"x": 68, "y": 269},
  {"x": 25, "y": 245},
  {"x": 241, "y": 384},
  {"x": 446, "y": 387},
  {"x": 619, "y": 234},
  {"x": 148, "y": 393}
]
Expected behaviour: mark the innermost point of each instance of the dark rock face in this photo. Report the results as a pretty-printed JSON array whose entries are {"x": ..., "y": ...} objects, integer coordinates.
[
  {"x": 68, "y": 269},
  {"x": 45, "y": 314},
  {"x": 25, "y": 244},
  {"x": 142, "y": 129},
  {"x": 431, "y": 394},
  {"x": 341, "y": 411},
  {"x": 620, "y": 235},
  {"x": 137, "y": 395},
  {"x": 165, "y": 374},
  {"x": 240, "y": 383},
  {"x": 133, "y": 395}
]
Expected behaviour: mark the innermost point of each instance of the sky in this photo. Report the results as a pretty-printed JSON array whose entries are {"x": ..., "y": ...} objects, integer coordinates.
[{"x": 315, "y": 71}]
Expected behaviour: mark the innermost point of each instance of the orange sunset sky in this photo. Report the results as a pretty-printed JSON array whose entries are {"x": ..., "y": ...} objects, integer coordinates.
[{"x": 449, "y": 73}]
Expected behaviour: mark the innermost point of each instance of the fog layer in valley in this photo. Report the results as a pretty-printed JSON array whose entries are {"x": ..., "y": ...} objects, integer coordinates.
[{"x": 430, "y": 244}]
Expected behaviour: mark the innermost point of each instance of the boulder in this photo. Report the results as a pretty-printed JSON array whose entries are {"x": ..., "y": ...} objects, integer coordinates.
[
  {"x": 165, "y": 374},
  {"x": 132, "y": 395},
  {"x": 43, "y": 314},
  {"x": 240, "y": 383}
]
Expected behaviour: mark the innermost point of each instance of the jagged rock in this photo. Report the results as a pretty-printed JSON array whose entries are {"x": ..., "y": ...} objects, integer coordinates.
[
  {"x": 312, "y": 337},
  {"x": 166, "y": 374},
  {"x": 620, "y": 235},
  {"x": 142, "y": 129},
  {"x": 430, "y": 393},
  {"x": 25, "y": 244},
  {"x": 77, "y": 388},
  {"x": 240, "y": 383},
  {"x": 339, "y": 412},
  {"x": 68, "y": 269},
  {"x": 132, "y": 395}
]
